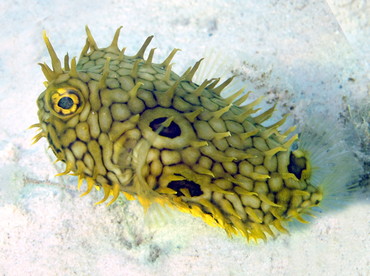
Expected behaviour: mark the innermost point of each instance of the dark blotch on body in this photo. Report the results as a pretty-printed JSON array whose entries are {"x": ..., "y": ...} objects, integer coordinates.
[
  {"x": 172, "y": 131},
  {"x": 296, "y": 165},
  {"x": 194, "y": 188}
]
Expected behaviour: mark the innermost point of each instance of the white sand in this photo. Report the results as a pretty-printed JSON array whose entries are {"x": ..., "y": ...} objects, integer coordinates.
[{"x": 310, "y": 55}]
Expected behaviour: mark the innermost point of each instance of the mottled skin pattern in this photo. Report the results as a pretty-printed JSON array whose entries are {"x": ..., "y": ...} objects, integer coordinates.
[{"x": 129, "y": 125}]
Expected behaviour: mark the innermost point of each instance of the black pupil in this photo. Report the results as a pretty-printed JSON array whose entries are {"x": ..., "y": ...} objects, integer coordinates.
[
  {"x": 65, "y": 103},
  {"x": 194, "y": 188},
  {"x": 172, "y": 131}
]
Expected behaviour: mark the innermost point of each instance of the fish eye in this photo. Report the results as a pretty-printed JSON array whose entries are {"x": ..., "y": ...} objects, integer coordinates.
[{"x": 66, "y": 101}]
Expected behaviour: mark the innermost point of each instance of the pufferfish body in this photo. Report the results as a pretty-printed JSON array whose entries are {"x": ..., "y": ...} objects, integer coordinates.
[{"x": 126, "y": 124}]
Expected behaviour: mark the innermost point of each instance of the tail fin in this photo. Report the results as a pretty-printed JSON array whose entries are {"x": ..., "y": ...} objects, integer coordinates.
[{"x": 334, "y": 168}]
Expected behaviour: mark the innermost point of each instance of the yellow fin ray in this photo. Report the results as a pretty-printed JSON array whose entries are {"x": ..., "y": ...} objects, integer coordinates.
[
  {"x": 194, "y": 69},
  {"x": 133, "y": 92},
  {"x": 168, "y": 60},
  {"x": 73, "y": 71},
  {"x": 252, "y": 104},
  {"x": 202, "y": 86},
  {"x": 105, "y": 73},
  {"x": 106, "y": 189},
  {"x": 149, "y": 60},
  {"x": 67, "y": 170},
  {"x": 277, "y": 224},
  {"x": 248, "y": 134},
  {"x": 192, "y": 115},
  {"x": 90, "y": 185},
  {"x": 66, "y": 62},
  {"x": 48, "y": 73},
  {"x": 253, "y": 214},
  {"x": 114, "y": 44},
  {"x": 223, "y": 85},
  {"x": 297, "y": 216},
  {"x": 55, "y": 62},
  {"x": 217, "y": 114},
  {"x": 232, "y": 97},
  {"x": 115, "y": 191},
  {"x": 37, "y": 137},
  {"x": 265, "y": 115},
  {"x": 140, "y": 53},
  {"x": 266, "y": 200},
  {"x": 90, "y": 39},
  {"x": 242, "y": 99}
]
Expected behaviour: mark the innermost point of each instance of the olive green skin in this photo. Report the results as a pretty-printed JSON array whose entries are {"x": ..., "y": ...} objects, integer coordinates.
[{"x": 139, "y": 128}]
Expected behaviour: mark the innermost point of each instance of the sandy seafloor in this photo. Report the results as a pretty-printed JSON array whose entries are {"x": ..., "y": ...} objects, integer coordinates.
[{"x": 305, "y": 55}]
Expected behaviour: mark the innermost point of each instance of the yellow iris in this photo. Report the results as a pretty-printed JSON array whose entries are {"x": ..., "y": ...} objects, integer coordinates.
[{"x": 66, "y": 101}]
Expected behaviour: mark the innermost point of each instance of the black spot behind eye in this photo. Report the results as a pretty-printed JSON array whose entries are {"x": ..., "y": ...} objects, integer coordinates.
[
  {"x": 296, "y": 165},
  {"x": 65, "y": 103},
  {"x": 172, "y": 131},
  {"x": 194, "y": 188}
]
